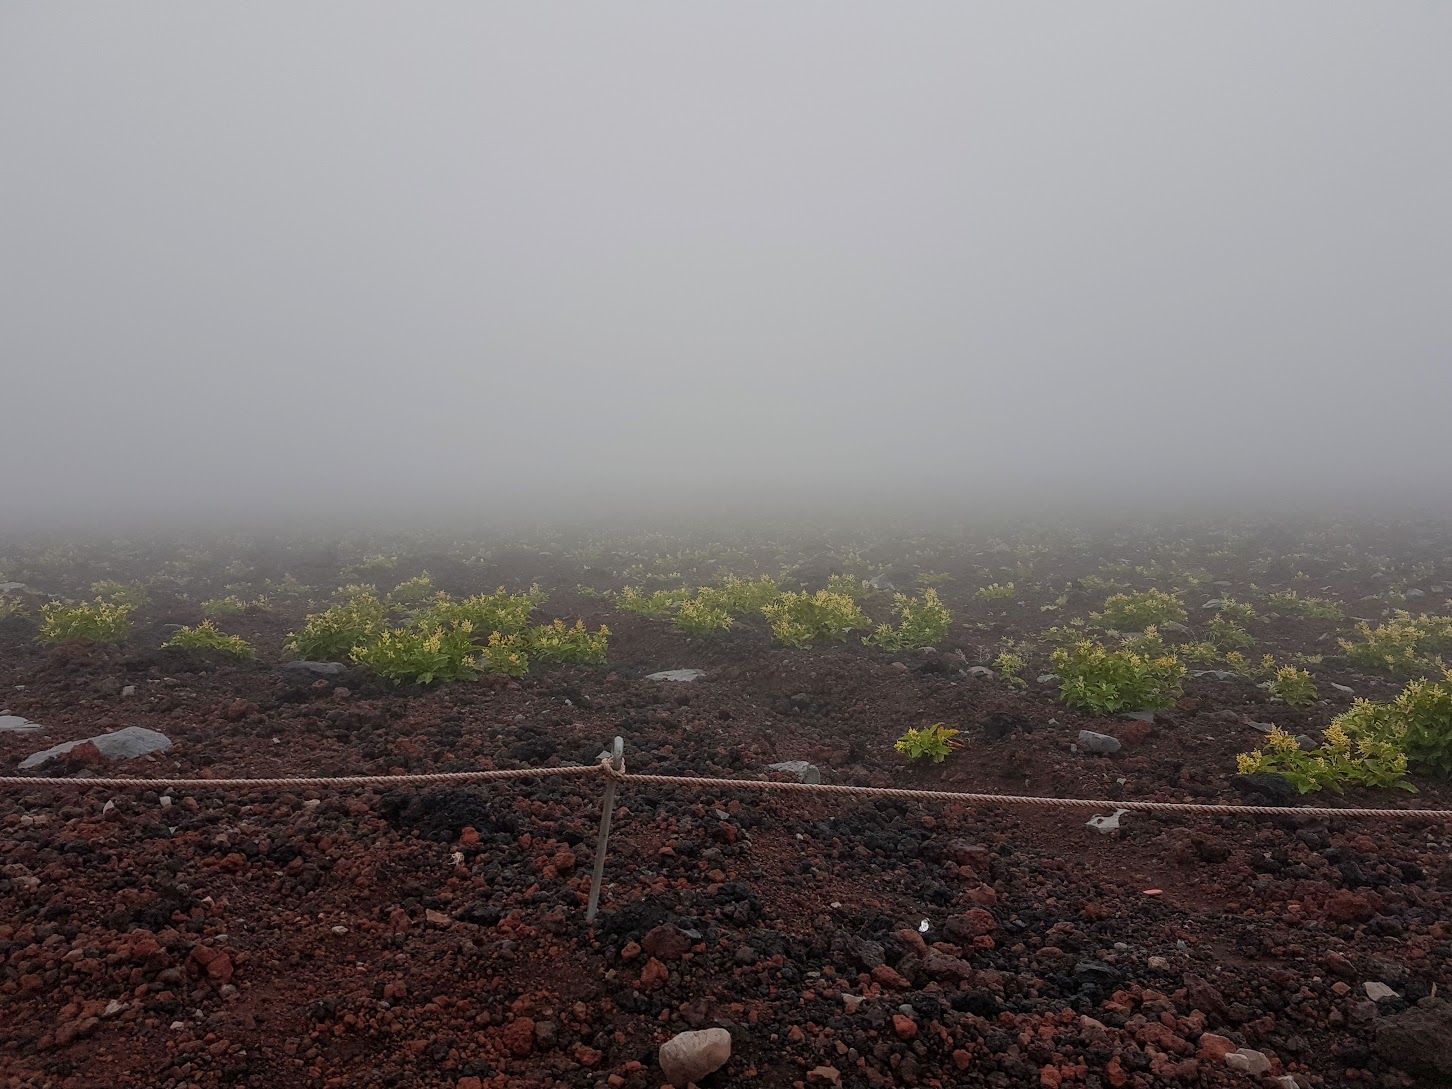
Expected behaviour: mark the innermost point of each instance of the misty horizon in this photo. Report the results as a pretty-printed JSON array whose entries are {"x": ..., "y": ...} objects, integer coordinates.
[{"x": 361, "y": 261}]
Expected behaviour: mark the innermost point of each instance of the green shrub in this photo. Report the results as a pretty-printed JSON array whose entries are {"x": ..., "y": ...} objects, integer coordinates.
[
  {"x": 504, "y": 654},
  {"x": 738, "y": 596},
  {"x": 1342, "y": 761},
  {"x": 132, "y": 595},
  {"x": 658, "y": 604},
  {"x": 500, "y": 611},
  {"x": 1106, "y": 681},
  {"x": 413, "y": 593},
  {"x": 232, "y": 605},
  {"x": 934, "y": 579},
  {"x": 800, "y": 619},
  {"x": 936, "y": 742},
  {"x": 1425, "y": 708},
  {"x": 1293, "y": 685},
  {"x": 1135, "y": 612},
  {"x": 421, "y": 655},
  {"x": 1227, "y": 634},
  {"x": 1310, "y": 608},
  {"x": 1010, "y": 667},
  {"x": 1404, "y": 644},
  {"x": 555, "y": 642},
  {"x": 332, "y": 634},
  {"x": 697, "y": 618},
  {"x": 921, "y": 622},
  {"x": 994, "y": 592},
  {"x": 1199, "y": 653},
  {"x": 205, "y": 636},
  {"x": 1236, "y": 612},
  {"x": 849, "y": 586},
  {"x": 99, "y": 622},
  {"x": 11, "y": 609},
  {"x": 1149, "y": 644}
]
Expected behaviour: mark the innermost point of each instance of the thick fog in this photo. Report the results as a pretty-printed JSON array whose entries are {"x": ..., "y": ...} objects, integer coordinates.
[{"x": 284, "y": 257}]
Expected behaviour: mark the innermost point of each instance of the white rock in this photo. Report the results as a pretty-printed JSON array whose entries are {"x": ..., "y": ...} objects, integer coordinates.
[
  {"x": 690, "y": 1056},
  {"x": 1106, "y": 824},
  {"x": 14, "y": 724},
  {"x": 1247, "y": 1061},
  {"x": 682, "y": 675},
  {"x": 1378, "y": 992}
]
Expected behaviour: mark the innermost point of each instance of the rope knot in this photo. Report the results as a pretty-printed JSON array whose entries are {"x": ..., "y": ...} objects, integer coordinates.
[{"x": 607, "y": 765}]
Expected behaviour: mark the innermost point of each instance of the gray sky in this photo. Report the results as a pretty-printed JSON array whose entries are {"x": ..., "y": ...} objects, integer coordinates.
[{"x": 273, "y": 256}]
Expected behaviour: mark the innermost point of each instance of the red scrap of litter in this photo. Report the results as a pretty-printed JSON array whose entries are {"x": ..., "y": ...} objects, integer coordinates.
[{"x": 1154, "y": 892}]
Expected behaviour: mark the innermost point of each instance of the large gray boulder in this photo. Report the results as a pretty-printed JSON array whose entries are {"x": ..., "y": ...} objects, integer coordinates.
[{"x": 125, "y": 744}]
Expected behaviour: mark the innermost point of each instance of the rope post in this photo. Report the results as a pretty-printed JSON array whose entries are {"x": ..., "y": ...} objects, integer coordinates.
[{"x": 607, "y": 810}]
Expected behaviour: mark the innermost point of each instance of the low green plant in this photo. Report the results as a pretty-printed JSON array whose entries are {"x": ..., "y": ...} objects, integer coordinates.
[
  {"x": 558, "y": 642},
  {"x": 131, "y": 594},
  {"x": 1135, "y": 612},
  {"x": 504, "y": 654},
  {"x": 413, "y": 593},
  {"x": 934, "y": 579},
  {"x": 1148, "y": 644},
  {"x": 660, "y": 603},
  {"x": 1198, "y": 653},
  {"x": 1338, "y": 763},
  {"x": 1104, "y": 681},
  {"x": 697, "y": 618},
  {"x": 86, "y": 622},
  {"x": 446, "y": 652},
  {"x": 500, "y": 611},
  {"x": 849, "y": 586},
  {"x": 921, "y": 622},
  {"x": 1227, "y": 634},
  {"x": 737, "y": 596},
  {"x": 332, "y": 634},
  {"x": 11, "y": 609},
  {"x": 996, "y": 592},
  {"x": 801, "y": 619},
  {"x": 233, "y": 605},
  {"x": 1237, "y": 612},
  {"x": 1404, "y": 644},
  {"x": 1310, "y": 608},
  {"x": 936, "y": 743},
  {"x": 1010, "y": 667},
  {"x": 206, "y": 636},
  {"x": 1293, "y": 685}
]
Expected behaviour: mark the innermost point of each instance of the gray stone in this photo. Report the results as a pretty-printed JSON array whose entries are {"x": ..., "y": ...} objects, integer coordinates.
[
  {"x": 1138, "y": 716},
  {"x": 14, "y": 724},
  {"x": 1048, "y": 678},
  {"x": 1418, "y": 1040},
  {"x": 315, "y": 669},
  {"x": 690, "y": 1056},
  {"x": 804, "y": 770},
  {"x": 1218, "y": 674},
  {"x": 1378, "y": 992},
  {"x": 1263, "y": 727},
  {"x": 1342, "y": 688},
  {"x": 980, "y": 671},
  {"x": 1247, "y": 1061},
  {"x": 1307, "y": 743},
  {"x": 125, "y": 744},
  {"x": 681, "y": 675},
  {"x": 1103, "y": 744}
]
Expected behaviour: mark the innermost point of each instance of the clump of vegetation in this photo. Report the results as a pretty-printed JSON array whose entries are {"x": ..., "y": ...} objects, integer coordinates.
[
  {"x": 232, "y": 605},
  {"x": 413, "y": 593},
  {"x": 934, "y": 579},
  {"x": 1226, "y": 634},
  {"x": 1335, "y": 765},
  {"x": 921, "y": 622},
  {"x": 1198, "y": 653},
  {"x": 332, "y": 634},
  {"x": 1135, "y": 612},
  {"x": 445, "y": 652},
  {"x": 697, "y": 617},
  {"x": 1010, "y": 667},
  {"x": 1293, "y": 685},
  {"x": 504, "y": 654},
  {"x": 1104, "y": 681},
  {"x": 500, "y": 611},
  {"x": 996, "y": 592},
  {"x": 1149, "y": 644},
  {"x": 1404, "y": 644},
  {"x": 557, "y": 642},
  {"x": 1311, "y": 608},
  {"x": 657, "y": 604},
  {"x": 132, "y": 595},
  {"x": 97, "y": 622},
  {"x": 1237, "y": 612},
  {"x": 737, "y": 596},
  {"x": 206, "y": 636},
  {"x": 800, "y": 619},
  {"x": 936, "y": 743},
  {"x": 11, "y": 609}
]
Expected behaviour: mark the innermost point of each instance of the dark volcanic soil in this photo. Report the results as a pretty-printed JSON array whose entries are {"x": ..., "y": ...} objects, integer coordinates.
[{"x": 437, "y": 939}]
